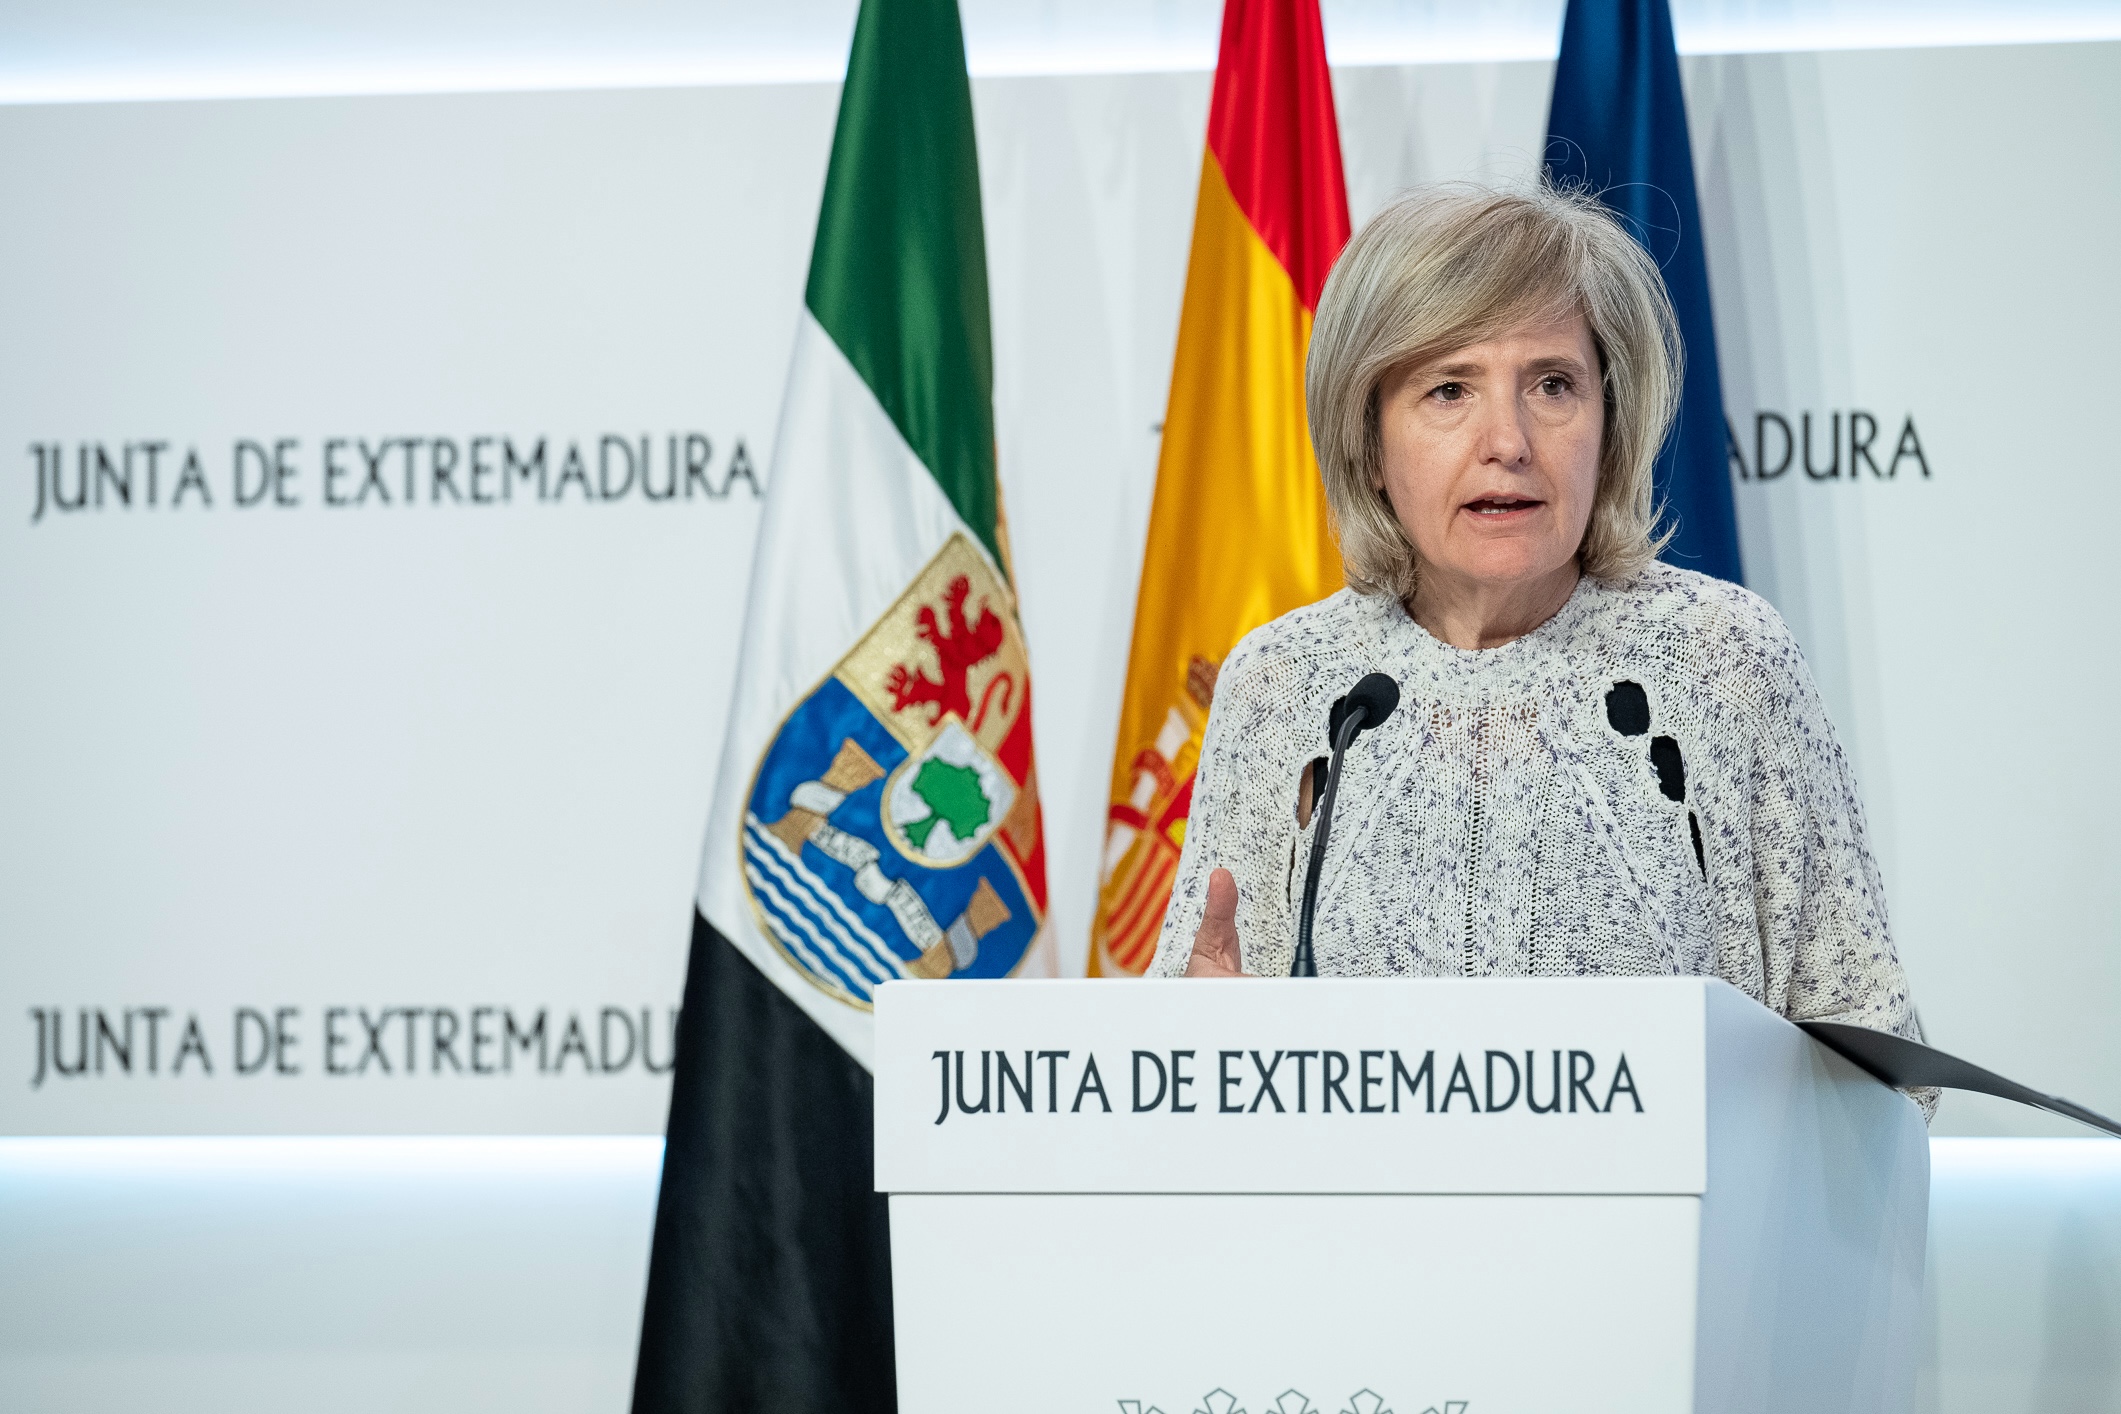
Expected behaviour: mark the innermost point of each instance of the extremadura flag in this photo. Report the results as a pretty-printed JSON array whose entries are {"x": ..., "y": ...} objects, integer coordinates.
[
  {"x": 1238, "y": 531},
  {"x": 876, "y": 813}
]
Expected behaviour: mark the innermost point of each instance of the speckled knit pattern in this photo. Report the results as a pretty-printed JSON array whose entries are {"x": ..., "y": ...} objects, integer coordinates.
[{"x": 1518, "y": 816}]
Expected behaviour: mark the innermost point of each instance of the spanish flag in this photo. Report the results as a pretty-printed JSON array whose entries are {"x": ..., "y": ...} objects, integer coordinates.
[{"x": 1238, "y": 533}]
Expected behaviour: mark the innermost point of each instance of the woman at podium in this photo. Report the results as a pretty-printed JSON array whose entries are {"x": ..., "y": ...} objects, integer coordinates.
[{"x": 1600, "y": 764}]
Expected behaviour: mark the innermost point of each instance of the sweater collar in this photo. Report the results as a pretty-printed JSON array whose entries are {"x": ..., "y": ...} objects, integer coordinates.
[{"x": 1424, "y": 662}]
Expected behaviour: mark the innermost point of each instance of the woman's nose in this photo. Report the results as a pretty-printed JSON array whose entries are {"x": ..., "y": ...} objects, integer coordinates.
[{"x": 1504, "y": 436}]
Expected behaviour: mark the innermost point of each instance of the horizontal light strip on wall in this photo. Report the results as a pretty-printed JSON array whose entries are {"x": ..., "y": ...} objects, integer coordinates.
[
  {"x": 55, "y": 54},
  {"x": 298, "y": 1158},
  {"x": 188, "y": 1158}
]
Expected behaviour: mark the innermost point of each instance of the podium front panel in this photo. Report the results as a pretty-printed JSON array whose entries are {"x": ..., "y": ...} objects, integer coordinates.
[
  {"x": 1320, "y": 1086},
  {"x": 1082, "y": 1302}
]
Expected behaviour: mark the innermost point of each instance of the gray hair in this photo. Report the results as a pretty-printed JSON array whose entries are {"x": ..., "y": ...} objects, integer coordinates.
[{"x": 1442, "y": 267}]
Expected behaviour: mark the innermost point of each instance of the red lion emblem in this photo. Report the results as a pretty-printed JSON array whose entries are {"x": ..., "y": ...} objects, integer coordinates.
[{"x": 957, "y": 652}]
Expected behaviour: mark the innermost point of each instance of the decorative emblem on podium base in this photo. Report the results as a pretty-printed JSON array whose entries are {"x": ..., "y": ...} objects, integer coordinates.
[{"x": 1291, "y": 1401}]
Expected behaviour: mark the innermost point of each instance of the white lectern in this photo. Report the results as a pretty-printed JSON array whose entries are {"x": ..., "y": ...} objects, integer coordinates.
[{"x": 1346, "y": 1197}]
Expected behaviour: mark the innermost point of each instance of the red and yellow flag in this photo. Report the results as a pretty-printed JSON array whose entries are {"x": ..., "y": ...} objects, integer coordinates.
[{"x": 1238, "y": 533}]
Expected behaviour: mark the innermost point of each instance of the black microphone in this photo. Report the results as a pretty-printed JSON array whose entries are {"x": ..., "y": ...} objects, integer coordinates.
[{"x": 1372, "y": 700}]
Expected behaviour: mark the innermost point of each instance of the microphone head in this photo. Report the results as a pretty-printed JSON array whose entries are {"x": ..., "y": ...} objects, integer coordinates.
[{"x": 1376, "y": 696}]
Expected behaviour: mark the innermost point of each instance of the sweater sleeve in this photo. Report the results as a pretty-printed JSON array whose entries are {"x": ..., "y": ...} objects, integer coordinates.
[
  {"x": 1242, "y": 818},
  {"x": 1826, "y": 948}
]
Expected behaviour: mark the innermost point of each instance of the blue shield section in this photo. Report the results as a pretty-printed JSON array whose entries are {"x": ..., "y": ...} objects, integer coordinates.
[{"x": 840, "y": 939}]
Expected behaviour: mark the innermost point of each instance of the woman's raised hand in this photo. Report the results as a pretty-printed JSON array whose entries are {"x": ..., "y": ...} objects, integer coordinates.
[{"x": 1215, "y": 949}]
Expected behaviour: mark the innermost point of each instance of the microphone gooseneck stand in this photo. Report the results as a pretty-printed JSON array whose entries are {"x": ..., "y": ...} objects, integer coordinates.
[{"x": 1372, "y": 700}]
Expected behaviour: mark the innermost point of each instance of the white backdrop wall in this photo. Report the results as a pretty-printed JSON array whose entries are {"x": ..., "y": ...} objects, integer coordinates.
[{"x": 442, "y": 766}]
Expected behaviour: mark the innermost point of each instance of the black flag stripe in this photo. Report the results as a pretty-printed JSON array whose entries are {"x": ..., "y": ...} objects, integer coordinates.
[{"x": 769, "y": 1283}]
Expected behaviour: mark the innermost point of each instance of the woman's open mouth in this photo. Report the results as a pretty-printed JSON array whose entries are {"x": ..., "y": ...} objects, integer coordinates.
[{"x": 1494, "y": 507}]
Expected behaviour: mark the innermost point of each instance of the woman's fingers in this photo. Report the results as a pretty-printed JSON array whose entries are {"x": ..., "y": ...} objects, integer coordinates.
[
  {"x": 1220, "y": 919},
  {"x": 1215, "y": 948}
]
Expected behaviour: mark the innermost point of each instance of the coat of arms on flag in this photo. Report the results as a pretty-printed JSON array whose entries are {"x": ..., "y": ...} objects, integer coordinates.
[
  {"x": 891, "y": 826},
  {"x": 1145, "y": 832}
]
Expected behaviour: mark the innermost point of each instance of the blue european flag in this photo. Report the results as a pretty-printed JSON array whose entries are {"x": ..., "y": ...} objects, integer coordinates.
[{"x": 1618, "y": 126}]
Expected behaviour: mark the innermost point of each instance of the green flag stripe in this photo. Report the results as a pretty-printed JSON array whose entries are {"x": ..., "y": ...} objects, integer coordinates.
[{"x": 898, "y": 277}]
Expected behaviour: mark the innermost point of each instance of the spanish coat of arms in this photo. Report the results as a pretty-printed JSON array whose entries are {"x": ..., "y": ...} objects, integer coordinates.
[{"x": 892, "y": 829}]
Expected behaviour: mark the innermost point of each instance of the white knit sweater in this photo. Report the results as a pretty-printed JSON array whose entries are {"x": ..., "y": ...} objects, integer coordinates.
[{"x": 1645, "y": 785}]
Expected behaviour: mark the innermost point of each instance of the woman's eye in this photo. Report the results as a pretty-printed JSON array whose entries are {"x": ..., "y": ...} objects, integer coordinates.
[
  {"x": 1448, "y": 392},
  {"x": 1553, "y": 385}
]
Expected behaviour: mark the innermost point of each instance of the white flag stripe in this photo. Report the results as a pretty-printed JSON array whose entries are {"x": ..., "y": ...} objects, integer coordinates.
[
  {"x": 851, "y": 516},
  {"x": 806, "y": 888}
]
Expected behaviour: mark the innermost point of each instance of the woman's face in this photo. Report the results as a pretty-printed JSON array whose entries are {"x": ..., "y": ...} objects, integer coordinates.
[{"x": 1491, "y": 455}]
